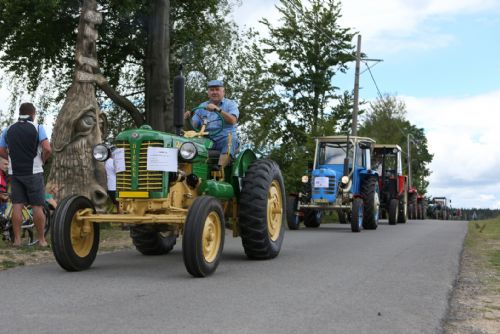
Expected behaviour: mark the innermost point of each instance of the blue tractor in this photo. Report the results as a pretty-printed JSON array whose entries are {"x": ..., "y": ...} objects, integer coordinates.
[{"x": 340, "y": 180}]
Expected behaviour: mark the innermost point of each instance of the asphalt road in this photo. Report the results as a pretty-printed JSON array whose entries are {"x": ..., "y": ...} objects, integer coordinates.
[{"x": 396, "y": 279}]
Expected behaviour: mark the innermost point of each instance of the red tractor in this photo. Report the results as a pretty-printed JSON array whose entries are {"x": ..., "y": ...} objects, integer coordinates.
[{"x": 392, "y": 183}]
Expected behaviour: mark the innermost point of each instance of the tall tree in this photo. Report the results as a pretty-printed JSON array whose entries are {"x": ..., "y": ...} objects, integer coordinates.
[
  {"x": 385, "y": 121},
  {"x": 310, "y": 48},
  {"x": 131, "y": 46}
]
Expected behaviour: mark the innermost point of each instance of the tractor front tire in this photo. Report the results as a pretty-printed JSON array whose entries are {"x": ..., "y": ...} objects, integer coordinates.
[
  {"x": 292, "y": 218},
  {"x": 262, "y": 210},
  {"x": 369, "y": 190},
  {"x": 74, "y": 243},
  {"x": 203, "y": 238},
  {"x": 148, "y": 241},
  {"x": 393, "y": 211},
  {"x": 357, "y": 215},
  {"x": 312, "y": 218}
]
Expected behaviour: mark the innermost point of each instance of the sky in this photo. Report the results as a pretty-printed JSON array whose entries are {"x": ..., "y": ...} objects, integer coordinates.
[{"x": 441, "y": 57}]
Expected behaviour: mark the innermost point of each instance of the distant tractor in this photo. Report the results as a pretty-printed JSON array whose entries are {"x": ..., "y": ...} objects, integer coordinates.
[
  {"x": 421, "y": 207},
  {"x": 439, "y": 209},
  {"x": 340, "y": 180},
  {"x": 393, "y": 184}
]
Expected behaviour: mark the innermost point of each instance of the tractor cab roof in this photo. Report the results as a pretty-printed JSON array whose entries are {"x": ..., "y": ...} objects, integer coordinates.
[
  {"x": 387, "y": 148},
  {"x": 343, "y": 139}
]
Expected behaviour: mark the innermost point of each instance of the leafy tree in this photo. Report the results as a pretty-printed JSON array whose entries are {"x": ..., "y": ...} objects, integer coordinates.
[
  {"x": 301, "y": 56},
  {"x": 311, "y": 48},
  {"x": 386, "y": 122},
  {"x": 37, "y": 42}
]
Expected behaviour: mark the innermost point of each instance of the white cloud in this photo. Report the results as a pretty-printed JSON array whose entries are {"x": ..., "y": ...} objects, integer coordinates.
[
  {"x": 463, "y": 135},
  {"x": 402, "y": 24}
]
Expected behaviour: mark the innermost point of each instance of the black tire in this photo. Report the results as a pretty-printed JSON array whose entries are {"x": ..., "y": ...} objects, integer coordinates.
[
  {"x": 393, "y": 211},
  {"x": 403, "y": 209},
  {"x": 149, "y": 241},
  {"x": 369, "y": 191},
  {"x": 71, "y": 256},
  {"x": 292, "y": 218},
  {"x": 262, "y": 211},
  {"x": 203, "y": 238},
  {"x": 312, "y": 218},
  {"x": 342, "y": 216},
  {"x": 413, "y": 211},
  {"x": 357, "y": 215},
  {"x": 422, "y": 212}
]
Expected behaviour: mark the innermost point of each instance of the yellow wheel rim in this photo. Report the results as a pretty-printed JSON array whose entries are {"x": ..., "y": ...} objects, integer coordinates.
[
  {"x": 212, "y": 236},
  {"x": 82, "y": 236},
  {"x": 274, "y": 210}
]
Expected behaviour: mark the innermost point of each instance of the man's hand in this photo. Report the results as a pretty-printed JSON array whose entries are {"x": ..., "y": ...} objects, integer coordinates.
[
  {"x": 212, "y": 107},
  {"x": 187, "y": 114}
]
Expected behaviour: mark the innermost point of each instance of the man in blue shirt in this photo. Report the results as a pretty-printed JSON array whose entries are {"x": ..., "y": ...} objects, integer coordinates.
[
  {"x": 228, "y": 109},
  {"x": 27, "y": 147}
]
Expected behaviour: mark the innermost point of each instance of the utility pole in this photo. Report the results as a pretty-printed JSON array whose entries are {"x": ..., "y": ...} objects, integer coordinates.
[
  {"x": 409, "y": 159},
  {"x": 354, "y": 129}
]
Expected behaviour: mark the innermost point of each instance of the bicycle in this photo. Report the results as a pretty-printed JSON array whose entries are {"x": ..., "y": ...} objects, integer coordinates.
[{"x": 27, "y": 226}]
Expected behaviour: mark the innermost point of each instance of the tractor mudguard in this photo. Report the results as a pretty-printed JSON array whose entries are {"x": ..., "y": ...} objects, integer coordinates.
[{"x": 239, "y": 168}]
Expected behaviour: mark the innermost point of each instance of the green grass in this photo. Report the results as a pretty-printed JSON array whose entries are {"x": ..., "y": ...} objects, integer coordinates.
[{"x": 483, "y": 240}]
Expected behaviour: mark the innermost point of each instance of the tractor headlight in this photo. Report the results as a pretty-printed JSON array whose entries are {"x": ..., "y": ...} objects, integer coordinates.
[
  {"x": 344, "y": 180},
  {"x": 188, "y": 151},
  {"x": 305, "y": 179},
  {"x": 101, "y": 152}
]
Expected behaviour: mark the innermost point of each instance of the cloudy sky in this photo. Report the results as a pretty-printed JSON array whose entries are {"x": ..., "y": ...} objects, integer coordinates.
[{"x": 442, "y": 58}]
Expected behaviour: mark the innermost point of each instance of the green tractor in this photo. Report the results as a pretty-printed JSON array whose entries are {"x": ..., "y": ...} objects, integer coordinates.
[{"x": 170, "y": 185}]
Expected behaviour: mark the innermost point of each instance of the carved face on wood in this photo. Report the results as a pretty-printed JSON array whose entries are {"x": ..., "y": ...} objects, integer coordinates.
[{"x": 74, "y": 171}]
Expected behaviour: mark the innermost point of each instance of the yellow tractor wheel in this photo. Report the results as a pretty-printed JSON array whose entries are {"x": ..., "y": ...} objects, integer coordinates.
[
  {"x": 203, "y": 238},
  {"x": 74, "y": 242}
]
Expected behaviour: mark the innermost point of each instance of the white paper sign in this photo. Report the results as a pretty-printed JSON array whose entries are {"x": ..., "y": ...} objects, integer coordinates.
[
  {"x": 119, "y": 160},
  {"x": 321, "y": 182},
  {"x": 162, "y": 159}
]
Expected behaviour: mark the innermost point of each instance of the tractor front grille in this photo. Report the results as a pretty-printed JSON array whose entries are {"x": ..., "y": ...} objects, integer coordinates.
[
  {"x": 331, "y": 190},
  {"x": 146, "y": 180}
]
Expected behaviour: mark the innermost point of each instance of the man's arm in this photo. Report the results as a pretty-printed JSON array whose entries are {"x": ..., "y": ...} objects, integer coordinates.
[
  {"x": 46, "y": 150},
  {"x": 3, "y": 153}
]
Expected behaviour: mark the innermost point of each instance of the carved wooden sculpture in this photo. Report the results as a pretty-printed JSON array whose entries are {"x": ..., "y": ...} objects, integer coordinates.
[{"x": 77, "y": 130}]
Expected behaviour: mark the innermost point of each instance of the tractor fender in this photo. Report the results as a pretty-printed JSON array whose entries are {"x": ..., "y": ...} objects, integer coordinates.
[{"x": 239, "y": 168}]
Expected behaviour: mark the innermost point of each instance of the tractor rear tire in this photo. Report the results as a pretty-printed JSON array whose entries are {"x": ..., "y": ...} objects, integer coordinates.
[
  {"x": 403, "y": 209},
  {"x": 369, "y": 191},
  {"x": 357, "y": 215},
  {"x": 292, "y": 218},
  {"x": 74, "y": 243},
  {"x": 342, "y": 216},
  {"x": 421, "y": 212},
  {"x": 393, "y": 211},
  {"x": 148, "y": 241},
  {"x": 312, "y": 218},
  {"x": 203, "y": 238},
  {"x": 262, "y": 210}
]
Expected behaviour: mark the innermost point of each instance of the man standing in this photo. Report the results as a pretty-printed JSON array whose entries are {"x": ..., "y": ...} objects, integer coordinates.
[
  {"x": 27, "y": 147},
  {"x": 228, "y": 109}
]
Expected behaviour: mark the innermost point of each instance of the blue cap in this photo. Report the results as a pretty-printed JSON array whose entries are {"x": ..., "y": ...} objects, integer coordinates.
[{"x": 215, "y": 83}]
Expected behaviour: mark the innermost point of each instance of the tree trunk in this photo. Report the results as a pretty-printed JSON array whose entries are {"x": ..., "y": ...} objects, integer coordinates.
[
  {"x": 76, "y": 131},
  {"x": 156, "y": 70}
]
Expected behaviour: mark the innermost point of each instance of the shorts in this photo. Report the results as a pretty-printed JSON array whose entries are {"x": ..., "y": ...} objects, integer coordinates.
[{"x": 27, "y": 189}]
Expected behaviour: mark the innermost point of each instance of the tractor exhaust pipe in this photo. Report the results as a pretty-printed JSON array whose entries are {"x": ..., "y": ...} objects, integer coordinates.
[{"x": 179, "y": 101}]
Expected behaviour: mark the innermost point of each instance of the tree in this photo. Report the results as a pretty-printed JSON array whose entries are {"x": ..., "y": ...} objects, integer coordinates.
[
  {"x": 311, "y": 48},
  {"x": 386, "y": 122},
  {"x": 40, "y": 46},
  {"x": 301, "y": 55}
]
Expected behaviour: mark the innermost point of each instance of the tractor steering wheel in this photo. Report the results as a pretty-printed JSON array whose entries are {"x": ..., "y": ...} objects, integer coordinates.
[{"x": 217, "y": 124}]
